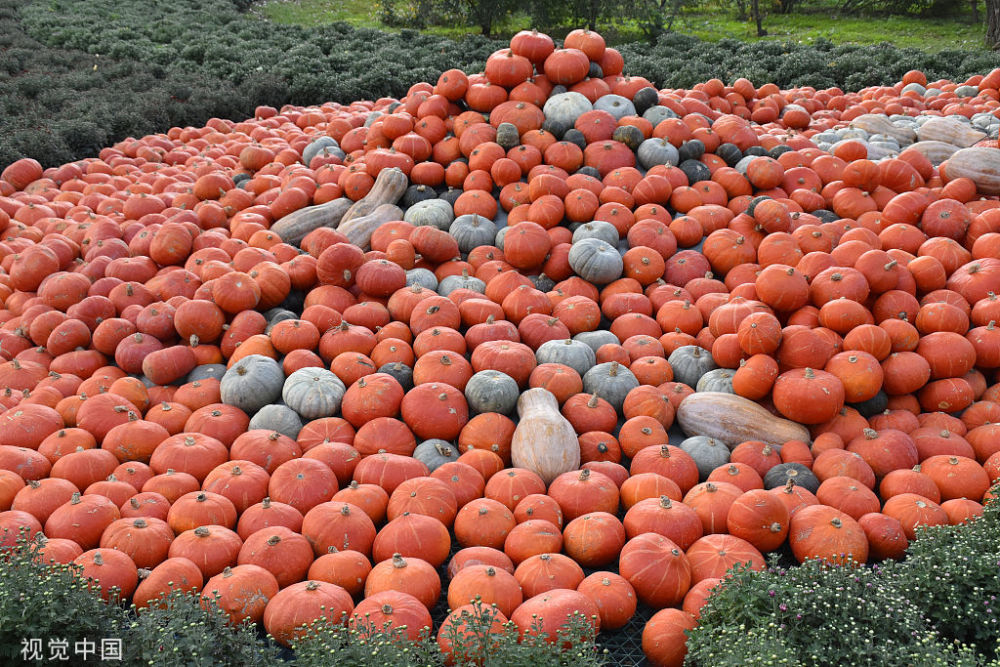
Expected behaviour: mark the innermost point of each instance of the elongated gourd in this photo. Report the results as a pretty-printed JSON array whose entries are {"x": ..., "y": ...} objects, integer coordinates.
[
  {"x": 389, "y": 186},
  {"x": 979, "y": 163},
  {"x": 733, "y": 419},
  {"x": 359, "y": 230},
  {"x": 544, "y": 441},
  {"x": 293, "y": 227}
]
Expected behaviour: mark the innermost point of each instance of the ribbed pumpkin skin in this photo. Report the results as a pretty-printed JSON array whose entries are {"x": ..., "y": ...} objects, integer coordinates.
[
  {"x": 305, "y": 602},
  {"x": 252, "y": 382},
  {"x": 657, "y": 568},
  {"x": 828, "y": 534}
]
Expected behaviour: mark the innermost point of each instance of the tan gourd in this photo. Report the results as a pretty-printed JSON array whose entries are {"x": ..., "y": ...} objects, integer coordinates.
[
  {"x": 950, "y": 131},
  {"x": 935, "y": 151},
  {"x": 390, "y": 184},
  {"x": 874, "y": 123},
  {"x": 293, "y": 227},
  {"x": 544, "y": 442},
  {"x": 359, "y": 230},
  {"x": 980, "y": 164},
  {"x": 733, "y": 419}
]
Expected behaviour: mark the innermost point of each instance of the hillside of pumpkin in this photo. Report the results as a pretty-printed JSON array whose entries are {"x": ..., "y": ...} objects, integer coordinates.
[
  {"x": 439, "y": 345},
  {"x": 82, "y": 74}
]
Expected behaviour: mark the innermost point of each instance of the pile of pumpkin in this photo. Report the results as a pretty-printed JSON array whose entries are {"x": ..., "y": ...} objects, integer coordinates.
[{"x": 295, "y": 361}]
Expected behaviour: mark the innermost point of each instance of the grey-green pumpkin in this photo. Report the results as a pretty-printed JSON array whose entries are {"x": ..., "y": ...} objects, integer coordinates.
[
  {"x": 492, "y": 391},
  {"x": 595, "y": 339},
  {"x": 449, "y": 284},
  {"x": 573, "y": 353},
  {"x": 433, "y": 212},
  {"x": 313, "y": 393},
  {"x": 435, "y": 452},
  {"x": 251, "y": 383},
  {"x": 596, "y": 261},
  {"x": 689, "y": 363},
  {"x": 277, "y": 417},
  {"x": 708, "y": 453},
  {"x": 597, "y": 229},
  {"x": 611, "y": 381},
  {"x": 471, "y": 231},
  {"x": 717, "y": 379}
]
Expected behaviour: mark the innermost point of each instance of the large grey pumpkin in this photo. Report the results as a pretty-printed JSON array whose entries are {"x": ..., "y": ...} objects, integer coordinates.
[
  {"x": 434, "y": 453},
  {"x": 708, "y": 453},
  {"x": 430, "y": 212},
  {"x": 657, "y": 151},
  {"x": 471, "y": 230},
  {"x": 595, "y": 339},
  {"x": 616, "y": 105},
  {"x": 251, "y": 383},
  {"x": 449, "y": 284},
  {"x": 277, "y": 417},
  {"x": 313, "y": 393},
  {"x": 573, "y": 353},
  {"x": 422, "y": 277},
  {"x": 689, "y": 363},
  {"x": 492, "y": 391},
  {"x": 565, "y": 108},
  {"x": 206, "y": 371},
  {"x": 596, "y": 261},
  {"x": 657, "y": 114},
  {"x": 718, "y": 379},
  {"x": 319, "y": 146},
  {"x": 597, "y": 229},
  {"x": 611, "y": 381}
]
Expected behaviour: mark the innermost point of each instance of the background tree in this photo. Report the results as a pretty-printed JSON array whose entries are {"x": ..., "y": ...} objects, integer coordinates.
[
  {"x": 484, "y": 14},
  {"x": 993, "y": 24}
]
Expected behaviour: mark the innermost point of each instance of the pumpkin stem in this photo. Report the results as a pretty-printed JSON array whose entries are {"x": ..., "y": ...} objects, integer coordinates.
[
  {"x": 398, "y": 562},
  {"x": 274, "y": 539},
  {"x": 202, "y": 531},
  {"x": 870, "y": 434},
  {"x": 584, "y": 475},
  {"x": 665, "y": 502}
]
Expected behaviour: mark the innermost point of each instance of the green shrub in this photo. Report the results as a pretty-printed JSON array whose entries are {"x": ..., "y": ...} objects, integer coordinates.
[
  {"x": 954, "y": 571},
  {"x": 180, "y": 632},
  {"x": 326, "y": 644},
  {"x": 42, "y": 602},
  {"x": 937, "y": 606},
  {"x": 819, "y": 613}
]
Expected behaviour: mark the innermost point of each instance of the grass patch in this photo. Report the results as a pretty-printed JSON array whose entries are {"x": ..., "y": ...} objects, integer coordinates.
[
  {"x": 927, "y": 34},
  {"x": 311, "y": 13}
]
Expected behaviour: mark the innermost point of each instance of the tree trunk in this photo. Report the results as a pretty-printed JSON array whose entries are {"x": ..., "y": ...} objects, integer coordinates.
[
  {"x": 755, "y": 10},
  {"x": 993, "y": 24}
]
